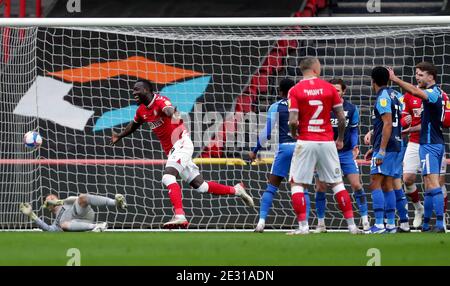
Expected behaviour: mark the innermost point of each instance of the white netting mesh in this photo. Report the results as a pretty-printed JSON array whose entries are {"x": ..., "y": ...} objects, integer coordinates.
[{"x": 73, "y": 85}]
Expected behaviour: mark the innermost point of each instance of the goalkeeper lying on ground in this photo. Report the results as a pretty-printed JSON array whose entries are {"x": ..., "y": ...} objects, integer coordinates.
[{"x": 74, "y": 213}]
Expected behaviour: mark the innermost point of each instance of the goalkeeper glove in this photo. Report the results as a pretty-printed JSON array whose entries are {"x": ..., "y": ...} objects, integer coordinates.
[
  {"x": 27, "y": 210},
  {"x": 52, "y": 203}
]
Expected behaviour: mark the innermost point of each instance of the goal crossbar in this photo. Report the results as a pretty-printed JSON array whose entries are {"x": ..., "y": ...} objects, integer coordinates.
[{"x": 220, "y": 21}]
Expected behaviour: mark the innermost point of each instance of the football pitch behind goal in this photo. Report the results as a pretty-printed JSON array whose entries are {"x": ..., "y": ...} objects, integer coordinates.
[{"x": 172, "y": 248}]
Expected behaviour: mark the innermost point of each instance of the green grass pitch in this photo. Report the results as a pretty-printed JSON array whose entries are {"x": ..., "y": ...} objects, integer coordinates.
[{"x": 222, "y": 248}]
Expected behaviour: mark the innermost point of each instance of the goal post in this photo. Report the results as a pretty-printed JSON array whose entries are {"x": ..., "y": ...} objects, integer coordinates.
[{"x": 71, "y": 80}]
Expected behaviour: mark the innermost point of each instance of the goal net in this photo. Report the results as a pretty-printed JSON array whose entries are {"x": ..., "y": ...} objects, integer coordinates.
[{"x": 73, "y": 84}]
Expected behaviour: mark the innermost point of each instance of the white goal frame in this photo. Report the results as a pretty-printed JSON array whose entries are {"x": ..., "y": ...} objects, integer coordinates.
[{"x": 224, "y": 22}]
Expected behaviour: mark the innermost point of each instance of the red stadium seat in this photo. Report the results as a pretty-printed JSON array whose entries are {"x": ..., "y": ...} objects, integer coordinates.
[{"x": 321, "y": 4}]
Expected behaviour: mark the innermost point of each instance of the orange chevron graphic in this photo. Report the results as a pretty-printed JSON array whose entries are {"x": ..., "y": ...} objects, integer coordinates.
[{"x": 139, "y": 67}]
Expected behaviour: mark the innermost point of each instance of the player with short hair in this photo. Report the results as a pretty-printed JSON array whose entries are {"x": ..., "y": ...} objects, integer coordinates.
[
  {"x": 311, "y": 101},
  {"x": 74, "y": 213},
  {"x": 432, "y": 144},
  {"x": 278, "y": 116},
  {"x": 400, "y": 198},
  {"x": 411, "y": 122},
  {"x": 347, "y": 156},
  {"x": 386, "y": 147},
  {"x": 165, "y": 122}
]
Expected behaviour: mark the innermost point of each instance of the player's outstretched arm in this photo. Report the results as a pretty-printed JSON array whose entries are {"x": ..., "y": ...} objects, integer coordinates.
[
  {"x": 131, "y": 127},
  {"x": 265, "y": 133},
  {"x": 414, "y": 90},
  {"x": 27, "y": 210}
]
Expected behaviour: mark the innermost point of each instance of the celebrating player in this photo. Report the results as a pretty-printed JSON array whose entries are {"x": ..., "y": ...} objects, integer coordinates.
[
  {"x": 386, "y": 146},
  {"x": 74, "y": 213},
  {"x": 347, "y": 156},
  {"x": 278, "y": 115},
  {"x": 163, "y": 119},
  {"x": 310, "y": 104},
  {"x": 431, "y": 149}
]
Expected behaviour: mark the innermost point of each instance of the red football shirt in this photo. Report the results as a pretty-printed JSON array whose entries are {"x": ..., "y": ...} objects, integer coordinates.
[
  {"x": 412, "y": 106},
  {"x": 167, "y": 129},
  {"x": 314, "y": 99}
]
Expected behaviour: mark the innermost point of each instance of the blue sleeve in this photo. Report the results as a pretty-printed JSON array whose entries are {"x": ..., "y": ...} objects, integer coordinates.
[
  {"x": 266, "y": 132},
  {"x": 354, "y": 121},
  {"x": 354, "y": 136},
  {"x": 45, "y": 227},
  {"x": 433, "y": 94},
  {"x": 401, "y": 100},
  {"x": 383, "y": 104}
]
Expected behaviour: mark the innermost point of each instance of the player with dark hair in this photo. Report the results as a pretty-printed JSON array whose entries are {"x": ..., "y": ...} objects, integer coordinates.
[
  {"x": 165, "y": 122},
  {"x": 347, "y": 156},
  {"x": 386, "y": 147},
  {"x": 278, "y": 116},
  {"x": 432, "y": 144}
]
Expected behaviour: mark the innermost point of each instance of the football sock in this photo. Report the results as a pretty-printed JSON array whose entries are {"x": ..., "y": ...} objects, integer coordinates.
[
  {"x": 378, "y": 206},
  {"x": 438, "y": 205},
  {"x": 266, "y": 201},
  {"x": 428, "y": 211},
  {"x": 389, "y": 207},
  {"x": 219, "y": 189},
  {"x": 80, "y": 226},
  {"x": 401, "y": 203},
  {"x": 320, "y": 204},
  {"x": 360, "y": 198},
  {"x": 176, "y": 198}
]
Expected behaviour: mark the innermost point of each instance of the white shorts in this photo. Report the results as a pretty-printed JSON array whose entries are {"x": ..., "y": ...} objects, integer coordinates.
[
  {"x": 180, "y": 158},
  {"x": 320, "y": 156},
  {"x": 411, "y": 161}
]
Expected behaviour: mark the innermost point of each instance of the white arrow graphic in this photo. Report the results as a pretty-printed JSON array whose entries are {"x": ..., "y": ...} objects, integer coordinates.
[{"x": 45, "y": 99}]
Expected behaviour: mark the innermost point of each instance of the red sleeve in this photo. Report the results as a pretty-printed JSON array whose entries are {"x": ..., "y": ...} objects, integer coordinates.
[
  {"x": 292, "y": 100},
  {"x": 137, "y": 116},
  {"x": 337, "y": 100},
  {"x": 445, "y": 96},
  {"x": 165, "y": 102},
  {"x": 406, "y": 110}
]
